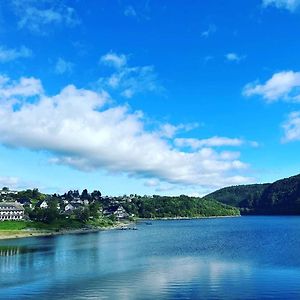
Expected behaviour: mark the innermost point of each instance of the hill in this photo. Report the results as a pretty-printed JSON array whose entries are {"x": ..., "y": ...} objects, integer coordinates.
[
  {"x": 280, "y": 197},
  {"x": 176, "y": 207}
]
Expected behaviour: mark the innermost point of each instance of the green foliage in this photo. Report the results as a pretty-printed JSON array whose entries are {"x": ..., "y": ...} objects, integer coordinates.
[
  {"x": 59, "y": 224},
  {"x": 112, "y": 218},
  {"x": 280, "y": 197},
  {"x": 95, "y": 210},
  {"x": 47, "y": 215},
  {"x": 182, "y": 206},
  {"x": 32, "y": 195},
  {"x": 243, "y": 196},
  {"x": 101, "y": 222},
  {"x": 82, "y": 214}
]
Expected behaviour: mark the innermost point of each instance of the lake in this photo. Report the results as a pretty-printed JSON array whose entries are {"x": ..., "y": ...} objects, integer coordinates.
[{"x": 221, "y": 258}]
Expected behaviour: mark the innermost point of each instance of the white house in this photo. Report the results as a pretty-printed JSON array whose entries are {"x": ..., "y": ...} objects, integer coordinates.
[
  {"x": 118, "y": 211},
  {"x": 69, "y": 207},
  {"x": 42, "y": 204}
]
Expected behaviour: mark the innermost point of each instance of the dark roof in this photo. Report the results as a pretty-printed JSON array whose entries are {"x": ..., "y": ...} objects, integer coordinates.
[
  {"x": 24, "y": 201},
  {"x": 113, "y": 208},
  {"x": 40, "y": 202},
  {"x": 10, "y": 206}
]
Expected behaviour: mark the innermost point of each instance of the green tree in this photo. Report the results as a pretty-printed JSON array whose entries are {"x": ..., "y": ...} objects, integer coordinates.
[{"x": 82, "y": 215}]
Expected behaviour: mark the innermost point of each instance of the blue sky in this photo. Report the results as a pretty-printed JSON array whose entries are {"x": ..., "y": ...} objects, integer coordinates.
[{"x": 148, "y": 97}]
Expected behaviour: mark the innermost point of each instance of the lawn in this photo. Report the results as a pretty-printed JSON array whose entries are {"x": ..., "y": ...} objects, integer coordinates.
[
  {"x": 56, "y": 225},
  {"x": 14, "y": 225}
]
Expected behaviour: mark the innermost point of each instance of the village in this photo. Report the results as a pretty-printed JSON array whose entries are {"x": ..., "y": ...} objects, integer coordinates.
[{"x": 20, "y": 205}]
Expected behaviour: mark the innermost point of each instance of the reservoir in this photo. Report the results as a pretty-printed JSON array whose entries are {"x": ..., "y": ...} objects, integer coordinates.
[{"x": 216, "y": 258}]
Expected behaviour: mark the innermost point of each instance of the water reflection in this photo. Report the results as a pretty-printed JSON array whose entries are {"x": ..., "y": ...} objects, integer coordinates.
[
  {"x": 10, "y": 250},
  {"x": 211, "y": 259}
]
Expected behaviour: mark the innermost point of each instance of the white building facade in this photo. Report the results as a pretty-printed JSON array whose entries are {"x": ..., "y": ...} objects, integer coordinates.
[{"x": 11, "y": 211}]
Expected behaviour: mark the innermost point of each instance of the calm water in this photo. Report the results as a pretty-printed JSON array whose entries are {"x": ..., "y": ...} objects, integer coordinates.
[{"x": 230, "y": 258}]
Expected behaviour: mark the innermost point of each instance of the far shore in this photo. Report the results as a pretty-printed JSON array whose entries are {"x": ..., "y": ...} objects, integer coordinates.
[{"x": 185, "y": 218}]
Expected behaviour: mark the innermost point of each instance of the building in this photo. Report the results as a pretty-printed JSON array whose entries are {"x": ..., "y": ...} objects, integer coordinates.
[
  {"x": 11, "y": 211},
  {"x": 118, "y": 211},
  {"x": 25, "y": 202},
  {"x": 69, "y": 207},
  {"x": 42, "y": 204}
]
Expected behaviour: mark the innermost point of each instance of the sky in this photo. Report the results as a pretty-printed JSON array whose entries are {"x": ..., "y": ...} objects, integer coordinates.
[{"x": 147, "y": 96}]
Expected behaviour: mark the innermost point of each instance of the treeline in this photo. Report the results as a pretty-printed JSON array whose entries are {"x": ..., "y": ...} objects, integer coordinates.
[
  {"x": 182, "y": 206},
  {"x": 93, "y": 206},
  {"x": 280, "y": 197}
]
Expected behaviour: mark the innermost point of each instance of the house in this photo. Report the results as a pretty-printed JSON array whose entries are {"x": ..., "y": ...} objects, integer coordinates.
[
  {"x": 11, "y": 211},
  {"x": 118, "y": 211},
  {"x": 69, "y": 207},
  {"x": 42, "y": 204},
  {"x": 25, "y": 202}
]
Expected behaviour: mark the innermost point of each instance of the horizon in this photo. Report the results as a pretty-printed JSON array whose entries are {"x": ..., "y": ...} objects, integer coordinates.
[{"x": 148, "y": 98}]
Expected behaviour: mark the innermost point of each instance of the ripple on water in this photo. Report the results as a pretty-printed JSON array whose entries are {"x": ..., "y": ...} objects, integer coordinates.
[{"x": 231, "y": 258}]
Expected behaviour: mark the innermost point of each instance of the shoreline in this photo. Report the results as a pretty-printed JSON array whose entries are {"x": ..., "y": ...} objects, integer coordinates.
[
  {"x": 20, "y": 234},
  {"x": 186, "y": 218}
]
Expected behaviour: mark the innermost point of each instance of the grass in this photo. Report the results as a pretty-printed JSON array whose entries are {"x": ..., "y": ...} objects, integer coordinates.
[
  {"x": 14, "y": 225},
  {"x": 57, "y": 225},
  {"x": 101, "y": 222},
  {"x": 20, "y": 229},
  {"x": 60, "y": 224}
]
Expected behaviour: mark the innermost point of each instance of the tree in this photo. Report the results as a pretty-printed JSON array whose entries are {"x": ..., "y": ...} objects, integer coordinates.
[
  {"x": 35, "y": 193},
  {"x": 82, "y": 215},
  {"x": 85, "y": 195},
  {"x": 95, "y": 210},
  {"x": 96, "y": 195}
]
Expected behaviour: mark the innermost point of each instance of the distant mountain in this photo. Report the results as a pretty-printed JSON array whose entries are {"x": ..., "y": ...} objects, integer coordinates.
[{"x": 280, "y": 197}]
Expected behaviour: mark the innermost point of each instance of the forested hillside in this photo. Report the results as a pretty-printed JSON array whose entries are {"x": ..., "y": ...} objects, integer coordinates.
[
  {"x": 280, "y": 197},
  {"x": 182, "y": 206}
]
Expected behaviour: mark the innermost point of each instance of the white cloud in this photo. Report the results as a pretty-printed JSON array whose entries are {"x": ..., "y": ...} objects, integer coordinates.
[
  {"x": 10, "y": 54},
  {"x": 254, "y": 144},
  {"x": 24, "y": 87},
  {"x": 215, "y": 141},
  {"x": 210, "y": 30},
  {"x": 283, "y": 85},
  {"x": 130, "y": 11},
  {"x": 128, "y": 81},
  {"x": 114, "y": 59},
  {"x": 290, "y": 5},
  {"x": 9, "y": 181},
  {"x": 62, "y": 66},
  {"x": 152, "y": 182},
  {"x": 81, "y": 131},
  {"x": 169, "y": 131},
  {"x": 291, "y": 127},
  {"x": 234, "y": 57},
  {"x": 35, "y": 15}
]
